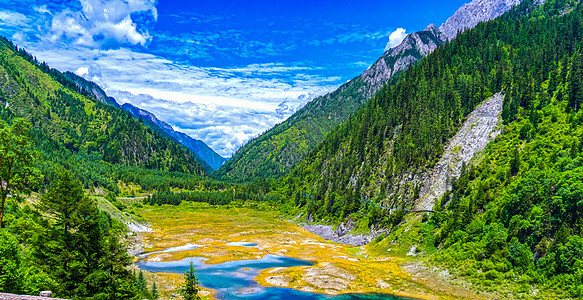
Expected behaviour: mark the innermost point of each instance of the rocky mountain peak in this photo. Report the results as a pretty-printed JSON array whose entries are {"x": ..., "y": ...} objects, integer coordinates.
[
  {"x": 470, "y": 14},
  {"x": 419, "y": 44}
]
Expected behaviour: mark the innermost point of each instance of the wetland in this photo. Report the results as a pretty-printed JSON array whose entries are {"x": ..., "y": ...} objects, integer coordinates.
[{"x": 254, "y": 253}]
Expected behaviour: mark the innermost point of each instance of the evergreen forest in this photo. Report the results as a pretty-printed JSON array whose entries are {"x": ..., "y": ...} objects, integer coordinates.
[{"x": 512, "y": 220}]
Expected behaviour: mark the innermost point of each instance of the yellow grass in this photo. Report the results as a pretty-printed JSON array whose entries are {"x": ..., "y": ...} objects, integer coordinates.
[{"x": 338, "y": 269}]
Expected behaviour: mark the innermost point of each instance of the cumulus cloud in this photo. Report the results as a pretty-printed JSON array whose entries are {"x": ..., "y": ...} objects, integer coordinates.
[
  {"x": 224, "y": 107},
  {"x": 396, "y": 37},
  {"x": 104, "y": 23},
  {"x": 223, "y": 128},
  {"x": 82, "y": 71}
]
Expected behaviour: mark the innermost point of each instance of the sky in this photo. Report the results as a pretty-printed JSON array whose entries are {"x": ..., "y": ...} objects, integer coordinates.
[{"x": 220, "y": 71}]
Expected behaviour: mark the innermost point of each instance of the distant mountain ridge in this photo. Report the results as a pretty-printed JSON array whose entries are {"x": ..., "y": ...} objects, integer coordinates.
[
  {"x": 275, "y": 152},
  {"x": 207, "y": 155},
  {"x": 76, "y": 130},
  {"x": 90, "y": 87},
  {"x": 198, "y": 147}
]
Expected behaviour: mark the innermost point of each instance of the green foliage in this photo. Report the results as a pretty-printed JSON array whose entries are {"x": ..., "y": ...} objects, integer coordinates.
[
  {"x": 77, "y": 250},
  {"x": 373, "y": 158},
  {"x": 523, "y": 199},
  {"x": 190, "y": 287},
  {"x": 214, "y": 197},
  {"x": 275, "y": 152},
  {"x": 71, "y": 248},
  {"x": 154, "y": 291},
  {"x": 16, "y": 160},
  {"x": 78, "y": 131},
  {"x": 10, "y": 263}
]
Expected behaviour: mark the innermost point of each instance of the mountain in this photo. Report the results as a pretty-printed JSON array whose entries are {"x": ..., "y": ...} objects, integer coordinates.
[
  {"x": 473, "y": 159},
  {"x": 91, "y": 88},
  {"x": 275, "y": 152},
  {"x": 202, "y": 150},
  {"x": 386, "y": 152},
  {"x": 205, "y": 155},
  {"x": 100, "y": 142}
]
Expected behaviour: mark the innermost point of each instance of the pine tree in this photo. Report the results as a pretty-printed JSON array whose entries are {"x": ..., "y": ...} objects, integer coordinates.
[
  {"x": 76, "y": 232},
  {"x": 575, "y": 89},
  {"x": 154, "y": 291},
  {"x": 190, "y": 287},
  {"x": 16, "y": 160},
  {"x": 140, "y": 282},
  {"x": 515, "y": 163}
]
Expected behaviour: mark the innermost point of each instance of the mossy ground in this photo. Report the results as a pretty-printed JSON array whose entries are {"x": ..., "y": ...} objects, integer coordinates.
[{"x": 338, "y": 269}]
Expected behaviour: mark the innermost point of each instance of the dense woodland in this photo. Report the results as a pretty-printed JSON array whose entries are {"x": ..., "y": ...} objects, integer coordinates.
[
  {"x": 515, "y": 216},
  {"x": 403, "y": 129},
  {"x": 275, "y": 152},
  {"x": 512, "y": 220},
  {"x": 59, "y": 143}
]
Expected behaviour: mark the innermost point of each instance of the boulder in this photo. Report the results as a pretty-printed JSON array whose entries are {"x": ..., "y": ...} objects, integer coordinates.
[{"x": 46, "y": 294}]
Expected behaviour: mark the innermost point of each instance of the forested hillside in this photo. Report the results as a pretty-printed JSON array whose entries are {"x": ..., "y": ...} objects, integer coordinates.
[
  {"x": 75, "y": 130},
  {"x": 205, "y": 155},
  {"x": 379, "y": 154},
  {"x": 276, "y": 151},
  {"x": 60, "y": 139},
  {"x": 512, "y": 222}
]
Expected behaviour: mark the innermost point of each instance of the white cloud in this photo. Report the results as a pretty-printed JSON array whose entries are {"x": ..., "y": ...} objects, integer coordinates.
[
  {"x": 103, "y": 23},
  {"x": 12, "y": 19},
  {"x": 224, "y": 107},
  {"x": 396, "y": 38},
  {"x": 223, "y": 128},
  {"x": 82, "y": 71},
  {"x": 41, "y": 9}
]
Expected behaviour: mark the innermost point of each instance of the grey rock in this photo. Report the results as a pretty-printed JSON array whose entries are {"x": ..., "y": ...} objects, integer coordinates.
[
  {"x": 326, "y": 112},
  {"x": 46, "y": 294},
  {"x": 480, "y": 128},
  {"x": 469, "y": 15},
  {"x": 328, "y": 233},
  {"x": 422, "y": 43},
  {"x": 343, "y": 228},
  {"x": 6, "y": 296}
]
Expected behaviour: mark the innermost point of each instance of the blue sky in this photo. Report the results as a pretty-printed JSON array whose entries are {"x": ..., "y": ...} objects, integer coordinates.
[{"x": 220, "y": 71}]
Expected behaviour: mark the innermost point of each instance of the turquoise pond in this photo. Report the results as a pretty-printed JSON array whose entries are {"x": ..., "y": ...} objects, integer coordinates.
[{"x": 236, "y": 279}]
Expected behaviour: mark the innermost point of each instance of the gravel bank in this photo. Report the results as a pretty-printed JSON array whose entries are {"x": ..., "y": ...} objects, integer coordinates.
[{"x": 328, "y": 233}]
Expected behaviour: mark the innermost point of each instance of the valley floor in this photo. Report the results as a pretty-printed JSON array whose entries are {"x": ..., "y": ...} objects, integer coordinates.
[{"x": 338, "y": 268}]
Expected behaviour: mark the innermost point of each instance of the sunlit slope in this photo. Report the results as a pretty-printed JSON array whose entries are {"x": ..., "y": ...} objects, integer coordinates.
[{"x": 82, "y": 125}]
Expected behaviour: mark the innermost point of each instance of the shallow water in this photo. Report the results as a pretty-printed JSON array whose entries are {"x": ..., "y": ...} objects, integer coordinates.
[
  {"x": 235, "y": 279},
  {"x": 172, "y": 249},
  {"x": 242, "y": 244}
]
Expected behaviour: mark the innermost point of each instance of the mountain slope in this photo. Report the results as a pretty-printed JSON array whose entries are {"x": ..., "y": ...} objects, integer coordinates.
[
  {"x": 204, "y": 154},
  {"x": 275, "y": 152},
  {"x": 91, "y": 88},
  {"x": 512, "y": 221},
  {"x": 385, "y": 152},
  {"x": 77, "y": 130},
  {"x": 198, "y": 147}
]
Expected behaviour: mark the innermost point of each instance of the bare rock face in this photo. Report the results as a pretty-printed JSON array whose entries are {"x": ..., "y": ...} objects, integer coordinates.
[
  {"x": 481, "y": 127},
  {"x": 469, "y": 15}
]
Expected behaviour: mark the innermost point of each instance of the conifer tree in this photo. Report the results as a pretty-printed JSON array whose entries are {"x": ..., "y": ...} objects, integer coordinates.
[
  {"x": 154, "y": 291},
  {"x": 16, "y": 160},
  {"x": 190, "y": 287}
]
